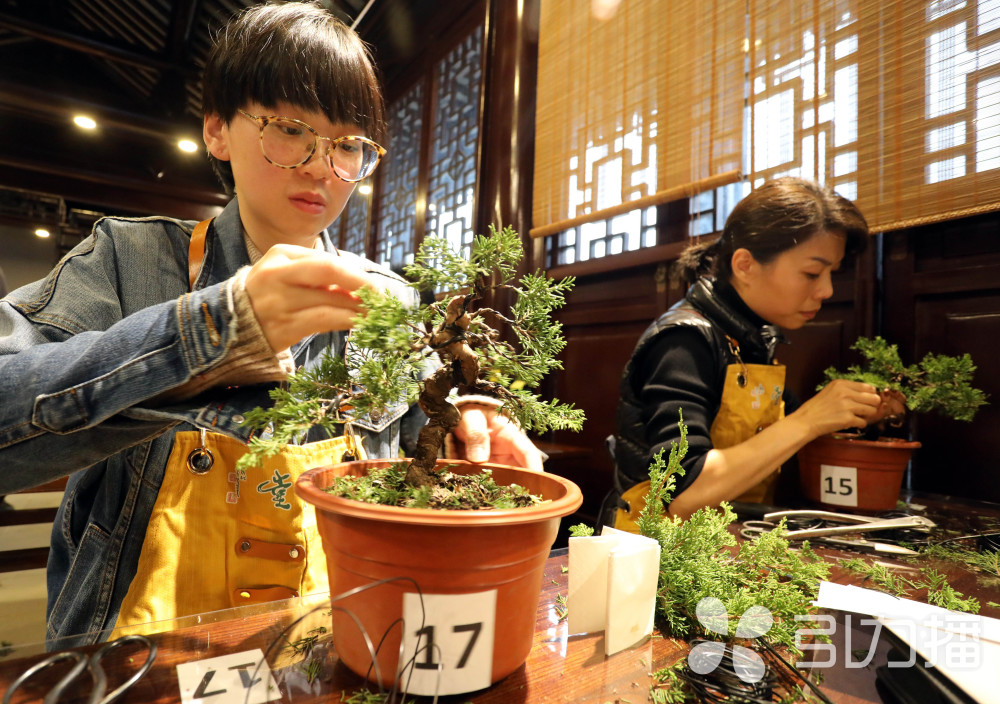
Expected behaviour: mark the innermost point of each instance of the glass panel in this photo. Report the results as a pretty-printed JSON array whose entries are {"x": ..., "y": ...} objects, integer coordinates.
[
  {"x": 398, "y": 204},
  {"x": 804, "y": 104},
  {"x": 454, "y": 141},
  {"x": 355, "y": 222},
  {"x": 624, "y": 233}
]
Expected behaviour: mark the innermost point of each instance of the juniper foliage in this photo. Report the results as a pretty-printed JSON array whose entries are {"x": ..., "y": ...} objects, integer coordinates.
[
  {"x": 391, "y": 347},
  {"x": 939, "y": 591},
  {"x": 699, "y": 559},
  {"x": 939, "y": 383}
]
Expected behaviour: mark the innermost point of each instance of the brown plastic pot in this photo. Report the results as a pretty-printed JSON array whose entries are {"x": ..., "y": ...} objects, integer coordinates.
[
  {"x": 840, "y": 471},
  {"x": 444, "y": 552}
]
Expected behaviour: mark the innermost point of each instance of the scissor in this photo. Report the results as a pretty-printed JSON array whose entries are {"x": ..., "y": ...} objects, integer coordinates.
[
  {"x": 93, "y": 664},
  {"x": 852, "y": 524}
]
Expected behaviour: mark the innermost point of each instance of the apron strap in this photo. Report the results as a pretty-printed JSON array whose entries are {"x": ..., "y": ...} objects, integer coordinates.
[{"x": 196, "y": 250}]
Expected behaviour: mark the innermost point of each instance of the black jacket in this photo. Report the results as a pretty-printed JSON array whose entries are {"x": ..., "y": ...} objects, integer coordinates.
[{"x": 680, "y": 362}]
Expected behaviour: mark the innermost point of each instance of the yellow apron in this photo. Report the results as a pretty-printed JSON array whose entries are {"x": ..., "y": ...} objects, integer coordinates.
[
  {"x": 751, "y": 401},
  {"x": 225, "y": 538}
]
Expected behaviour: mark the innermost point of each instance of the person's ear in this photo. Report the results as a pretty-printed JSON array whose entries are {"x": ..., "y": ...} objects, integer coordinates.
[
  {"x": 744, "y": 265},
  {"x": 215, "y": 132}
]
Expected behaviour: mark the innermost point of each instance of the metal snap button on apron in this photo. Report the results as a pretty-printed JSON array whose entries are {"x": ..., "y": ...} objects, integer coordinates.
[{"x": 201, "y": 459}]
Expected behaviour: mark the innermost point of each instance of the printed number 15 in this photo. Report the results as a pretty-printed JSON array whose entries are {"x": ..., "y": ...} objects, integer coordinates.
[
  {"x": 472, "y": 629},
  {"x": 845, "y": 486}
]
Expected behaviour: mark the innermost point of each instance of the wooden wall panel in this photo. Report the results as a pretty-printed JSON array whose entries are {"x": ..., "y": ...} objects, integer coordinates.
[
  {"x": 604, "y": 317},
  {"x": 960, "y": 458},
  {"x": 942, "y": 295}
]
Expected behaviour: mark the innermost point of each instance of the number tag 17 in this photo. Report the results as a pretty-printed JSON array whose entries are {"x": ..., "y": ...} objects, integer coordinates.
[
  {"x": 838, "y": 485},
  {"x": 453, "y": 631}
]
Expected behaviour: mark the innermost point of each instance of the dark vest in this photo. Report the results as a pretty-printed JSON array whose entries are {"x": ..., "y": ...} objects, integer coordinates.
[{"x": 712, "y": 316}]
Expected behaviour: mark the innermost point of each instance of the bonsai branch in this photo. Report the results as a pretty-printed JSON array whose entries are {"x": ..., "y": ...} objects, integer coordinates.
[{"x": 385, "y": 363}]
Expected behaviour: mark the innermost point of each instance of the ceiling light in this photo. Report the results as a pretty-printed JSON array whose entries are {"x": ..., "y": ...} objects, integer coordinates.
[
  {"x": 365, "y": 188},
  {"x": 187, "y": 145},
  {"x": 85, "y": 122},
  {"x": 42, "y": 232}
]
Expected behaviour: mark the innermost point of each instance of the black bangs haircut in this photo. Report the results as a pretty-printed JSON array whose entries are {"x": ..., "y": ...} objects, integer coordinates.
[{"x": 295, "y": 53}]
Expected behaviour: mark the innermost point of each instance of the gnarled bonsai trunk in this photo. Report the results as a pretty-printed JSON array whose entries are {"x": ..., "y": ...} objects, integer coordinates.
[{"x": 461, "y": 371}]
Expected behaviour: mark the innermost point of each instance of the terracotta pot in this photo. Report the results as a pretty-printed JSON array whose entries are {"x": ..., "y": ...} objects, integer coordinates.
[
  {"x": 841, "y": 471},
  {"x": 444, "y": 552}
]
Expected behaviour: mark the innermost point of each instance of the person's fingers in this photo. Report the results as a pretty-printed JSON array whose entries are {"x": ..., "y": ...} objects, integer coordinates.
[
  {"x": 314, "y": 268},
  {"x": 321, "y": 274},
  {"x": 473, "y": 430},
  {"x": 285, "y": 322},
  {"x": 295, "y": 292},
  {"x": 519, "y": 448}
]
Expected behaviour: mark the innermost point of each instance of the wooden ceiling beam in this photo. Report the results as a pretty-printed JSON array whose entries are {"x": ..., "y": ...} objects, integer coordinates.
[
  {"x": 119, "y": 194},
  {"x": 88, "y": 45},
  {"x": 56, "y": 108}
]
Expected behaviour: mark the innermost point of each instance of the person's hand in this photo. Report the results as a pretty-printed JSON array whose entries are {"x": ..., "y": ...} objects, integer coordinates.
[
  {"x": 297, "y": 292},
  {"x": 838, "y": 405},
  {"x": 485, "y": 436},
  {"x": 891, "y": 409}
]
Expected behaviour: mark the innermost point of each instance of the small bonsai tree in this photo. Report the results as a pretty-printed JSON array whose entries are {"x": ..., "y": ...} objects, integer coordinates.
[
  {"x": 938, "y": 383},
  {"x": 392, "y": 347}
]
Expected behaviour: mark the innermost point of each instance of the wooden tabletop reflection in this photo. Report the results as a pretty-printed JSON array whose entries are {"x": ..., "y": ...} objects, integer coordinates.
[{"x": 560, "y": 668}]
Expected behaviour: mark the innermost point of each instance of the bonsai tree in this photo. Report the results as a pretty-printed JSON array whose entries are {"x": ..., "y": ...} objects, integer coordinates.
[
  {"x": 399, "y": 353},
  {"x": 938, "y": 383}
]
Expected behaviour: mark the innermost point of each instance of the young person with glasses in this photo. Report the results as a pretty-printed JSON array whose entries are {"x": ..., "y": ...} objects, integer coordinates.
[{"x": 131, "y": 366}]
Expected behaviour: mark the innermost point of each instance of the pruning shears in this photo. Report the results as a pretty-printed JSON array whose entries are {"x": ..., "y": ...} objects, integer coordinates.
[{"x": 840, "y": 524}]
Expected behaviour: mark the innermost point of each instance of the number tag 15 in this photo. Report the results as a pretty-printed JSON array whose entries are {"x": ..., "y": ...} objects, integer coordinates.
[
  {"x": 838, "y": 485},
  {"x": 453, "y": 631}
]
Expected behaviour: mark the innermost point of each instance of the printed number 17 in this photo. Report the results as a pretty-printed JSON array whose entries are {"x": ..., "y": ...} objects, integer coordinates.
[{"x": 428, "y": 664}]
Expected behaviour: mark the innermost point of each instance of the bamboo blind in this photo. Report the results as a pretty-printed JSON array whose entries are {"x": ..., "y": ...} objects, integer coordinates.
[
  {"x": 803, "y": 85},
  {"x": 896, "y": 103},
  {"x": 637, "y": 109},
  {"x": 931, "y": 127}
]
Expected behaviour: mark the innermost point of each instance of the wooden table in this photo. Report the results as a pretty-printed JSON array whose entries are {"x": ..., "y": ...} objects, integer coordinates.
[{"x": 560, "y": 668}]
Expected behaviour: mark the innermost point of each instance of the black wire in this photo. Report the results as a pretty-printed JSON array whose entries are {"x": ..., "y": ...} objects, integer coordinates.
[
  {"x": 723, "y": 684},
  {"x": 798, "y": 673}
]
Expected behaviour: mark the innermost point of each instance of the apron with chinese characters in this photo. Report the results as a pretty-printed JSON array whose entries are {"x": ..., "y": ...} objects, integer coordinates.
[
  {"x": 218, "y": 537},
  {"x": 751, "y": 401},
  {"x": 225, "y": 537}
]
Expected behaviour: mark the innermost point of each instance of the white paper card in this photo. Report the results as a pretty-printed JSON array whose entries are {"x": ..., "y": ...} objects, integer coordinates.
[
  {"x": 846, "y": 597},
  {"x": 450, "y": 634},
  {"x": 967, "y": 661},
  {"x": 587, "y": 602},
  {"x": 838, "y": 485},
  {"x": 228, "y": 679},
  {"x": 965, "y": 647},
  {"x": 612, "y": 587}
]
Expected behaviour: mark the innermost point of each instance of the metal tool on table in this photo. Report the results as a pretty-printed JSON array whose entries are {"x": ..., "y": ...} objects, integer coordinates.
[
  {"x": 93, "y": 665},
  {"x": 845, "y": 524}
]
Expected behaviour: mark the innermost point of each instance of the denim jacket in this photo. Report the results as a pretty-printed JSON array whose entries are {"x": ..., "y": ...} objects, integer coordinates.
[{"x": 83, "y": 355}]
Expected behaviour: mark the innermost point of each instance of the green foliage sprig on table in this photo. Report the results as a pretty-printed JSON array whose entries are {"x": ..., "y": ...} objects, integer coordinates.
[
  {"x": 697, "y": 561},
  {"x": 392, "y": 346},
  {"x": 938, "y": 383},
  {"x": 938, "y": 590}
]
